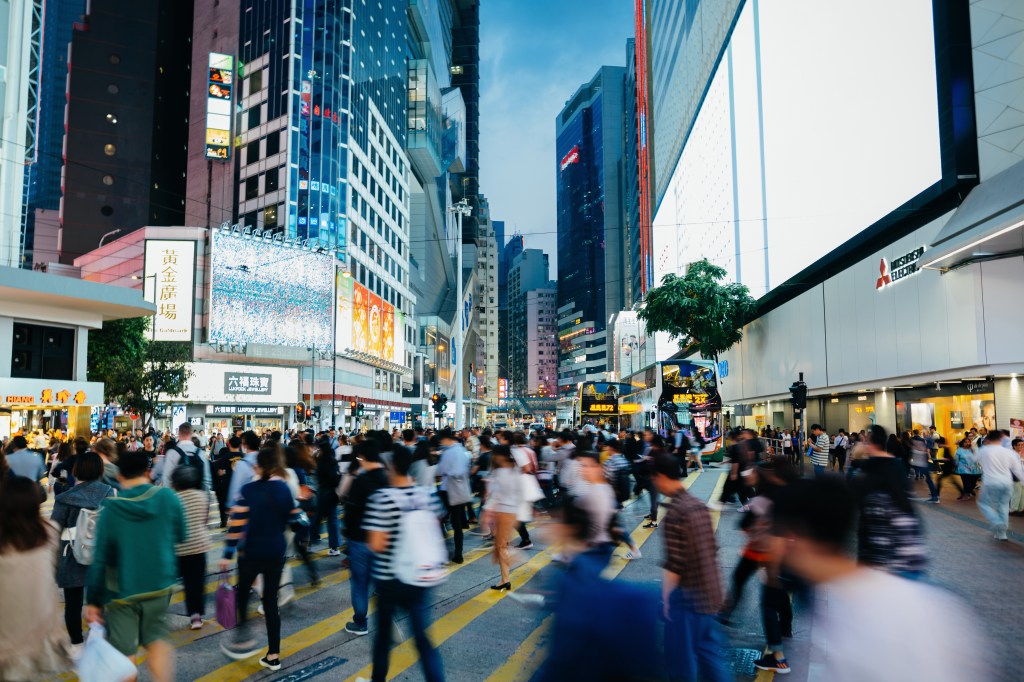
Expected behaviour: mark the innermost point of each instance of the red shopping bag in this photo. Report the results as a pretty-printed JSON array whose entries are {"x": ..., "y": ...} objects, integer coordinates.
[{"x": 227, "y": 613}]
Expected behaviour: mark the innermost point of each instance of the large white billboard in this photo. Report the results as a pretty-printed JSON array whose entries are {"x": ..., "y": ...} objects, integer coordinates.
[
  {"x": 169, "y": 283},
  {"x": 821, "y": 119},
  {"x": 268, "y": 293}
]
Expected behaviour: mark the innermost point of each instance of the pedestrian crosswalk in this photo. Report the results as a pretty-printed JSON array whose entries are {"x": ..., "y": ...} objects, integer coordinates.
[{"x": 313, "y": 623}]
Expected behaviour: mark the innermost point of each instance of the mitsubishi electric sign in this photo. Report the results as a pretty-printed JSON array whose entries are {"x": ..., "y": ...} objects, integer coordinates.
[
  {"x": 572, "y": 157},
  {"x": 904, "y": 266}
]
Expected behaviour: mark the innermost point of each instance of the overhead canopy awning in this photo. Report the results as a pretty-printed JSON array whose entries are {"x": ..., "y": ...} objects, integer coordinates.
[{"x": 988, "y": 224}]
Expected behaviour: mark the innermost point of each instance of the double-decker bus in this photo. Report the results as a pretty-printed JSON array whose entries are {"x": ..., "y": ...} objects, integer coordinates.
[
  {"x": 599, "y": 403},
  {"x": 674, "y": 394}
]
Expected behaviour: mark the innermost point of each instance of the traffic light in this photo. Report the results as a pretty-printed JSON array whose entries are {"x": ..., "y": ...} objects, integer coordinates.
[
  {"x": 439, "y": 401},
  {"x": 799, "y": 392},
  {"x": 360, "y": 409},
  {"x": 300, "y": 413},
  {"x": 352, "y": 406}
]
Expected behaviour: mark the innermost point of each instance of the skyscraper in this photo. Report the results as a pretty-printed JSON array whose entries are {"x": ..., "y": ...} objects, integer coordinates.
[
  {"x": 529, "y": 272},
  {"x": 44, "y": 192},
  {"x": 19, "y": 63},
  {"x": 127, "y": 121},
  {"x": 590, "y": 271}
]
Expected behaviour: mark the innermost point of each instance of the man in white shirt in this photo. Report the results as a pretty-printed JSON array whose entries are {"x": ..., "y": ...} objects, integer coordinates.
[
  {"x": 999, "y": 466},
  {"x": 859, "y": 608}
]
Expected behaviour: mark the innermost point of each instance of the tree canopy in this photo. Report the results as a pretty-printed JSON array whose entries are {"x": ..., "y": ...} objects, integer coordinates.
[
  {"x": 698, "y": 310},
  {"x": 136, "y": 371}
]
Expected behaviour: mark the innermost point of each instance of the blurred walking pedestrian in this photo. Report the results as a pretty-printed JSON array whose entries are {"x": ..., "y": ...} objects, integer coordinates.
[
  {"x": 691, "y": 581},
  {"x": 188, "y": 484},
  {"x": 88, "y": 493},
  {"x": 504, "y": 496},
  {"x": 370, "y": 478},
  {"x": 134, "y": 569},
  {"x": 33, "y": 643},
  {"x": 999, "y": 467},
  {"x": 264, "y": 510}
]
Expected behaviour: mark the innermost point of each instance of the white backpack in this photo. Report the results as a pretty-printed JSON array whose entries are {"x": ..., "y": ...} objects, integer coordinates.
[
  {"x": 83, "y": 537},
  {"x": 419, "y": 552}
]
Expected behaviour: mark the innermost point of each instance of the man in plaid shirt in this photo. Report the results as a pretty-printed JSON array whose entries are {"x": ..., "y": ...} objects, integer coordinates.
[{"x": 691, "y": 584}]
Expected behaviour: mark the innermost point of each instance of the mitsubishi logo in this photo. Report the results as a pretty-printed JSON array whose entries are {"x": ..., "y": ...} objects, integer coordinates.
[{"x": 883, "y": 270}]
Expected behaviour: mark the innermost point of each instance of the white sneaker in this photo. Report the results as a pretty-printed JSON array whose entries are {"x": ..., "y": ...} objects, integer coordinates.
[
  {"x": 197, "y": 622},
  {"x": 76, "y": 650},
  {"x": 632, "y": 556},
  {"x": 715, "y": 506},
  {"x": 334, "y": 552}
]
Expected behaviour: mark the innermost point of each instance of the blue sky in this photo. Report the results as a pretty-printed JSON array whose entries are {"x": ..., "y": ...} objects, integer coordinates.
[{"x": 534, "y": 54}]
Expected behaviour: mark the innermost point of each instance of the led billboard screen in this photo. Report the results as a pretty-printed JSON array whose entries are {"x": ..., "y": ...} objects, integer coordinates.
[
  {"x": 368, "y": 324},
  {"x": 219, "y": 86},
  {"x": 264, "y": 292},
  {"x": 820, "y": 120}
]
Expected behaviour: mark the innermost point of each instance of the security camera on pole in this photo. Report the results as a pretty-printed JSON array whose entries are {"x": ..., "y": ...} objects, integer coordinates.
[{"x": 460, "y": 209}]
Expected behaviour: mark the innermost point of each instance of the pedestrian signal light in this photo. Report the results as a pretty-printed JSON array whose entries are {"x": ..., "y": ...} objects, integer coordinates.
[
  {"x": 300, "y": 413},
  {"x": 360, "y": 409}
]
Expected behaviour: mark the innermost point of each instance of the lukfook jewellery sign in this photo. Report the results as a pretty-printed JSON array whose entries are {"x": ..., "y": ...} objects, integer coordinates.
[{"x": 247, "y": 383}]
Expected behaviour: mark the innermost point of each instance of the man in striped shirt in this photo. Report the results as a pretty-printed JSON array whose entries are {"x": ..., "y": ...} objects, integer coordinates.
[
  {"x": 382, "y": 522},
  {"x": 819, "y": 449}
]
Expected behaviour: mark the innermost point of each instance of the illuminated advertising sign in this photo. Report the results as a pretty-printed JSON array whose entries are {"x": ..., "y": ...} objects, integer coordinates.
[
  {"x": 904, "y": 266},
  {"x": 572, "y": 157},
  {"x": 691, "y": 384},
  {"x": 502, "y": 388},
  {"x": 219, "y": 86},
  {"x": 367, "y": 323},
  {"x": 268, "y": 293},
  {"x": 169, "y": 283}
]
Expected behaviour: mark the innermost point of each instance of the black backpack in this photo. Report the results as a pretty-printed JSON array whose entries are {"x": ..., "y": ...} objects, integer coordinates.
[{"x": 187, "y": 460}]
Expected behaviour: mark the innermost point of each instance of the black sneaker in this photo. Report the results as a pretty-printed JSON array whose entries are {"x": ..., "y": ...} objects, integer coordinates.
[
  {"x": 356, "y": 629},
  {"x": 273, "y": 665},
  {"x": 525, "y": 544},
  {"x": 241, "y": 650},
  {"x": 776, "y": 665}
]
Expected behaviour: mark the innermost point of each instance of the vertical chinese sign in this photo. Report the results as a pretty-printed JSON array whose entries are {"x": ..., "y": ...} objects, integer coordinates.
[
  {"x": 169, "y": 283},
  {"x": 219, "y": 86}
]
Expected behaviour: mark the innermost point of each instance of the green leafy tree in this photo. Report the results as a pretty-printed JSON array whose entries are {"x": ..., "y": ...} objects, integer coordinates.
[
  {"x": 698, "y": 310},
  {"x": 136, "y": 372}
]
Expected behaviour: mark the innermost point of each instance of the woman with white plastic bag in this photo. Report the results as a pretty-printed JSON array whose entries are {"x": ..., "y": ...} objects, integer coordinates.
[
  {"x": 526, "y": 461},
  {"x": 33, "y": 641}
]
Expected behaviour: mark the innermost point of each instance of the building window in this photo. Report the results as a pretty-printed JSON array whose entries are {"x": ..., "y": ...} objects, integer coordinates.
[
  {"x": 270, "y": 216},
  {"x": 252, "y": 151},
  {"x": 270, "y": 180},
  {"x": 273, "y": 144},
  {"x": 254, "y": 116},
  {"x": 252, "y": 187},
  {"x": 256, "y": 82}
]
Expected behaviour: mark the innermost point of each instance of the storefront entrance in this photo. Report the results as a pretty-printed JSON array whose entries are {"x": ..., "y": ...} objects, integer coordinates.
[
  {"x": 952, "y": 409},
  {"x": 226, "y": 419}
]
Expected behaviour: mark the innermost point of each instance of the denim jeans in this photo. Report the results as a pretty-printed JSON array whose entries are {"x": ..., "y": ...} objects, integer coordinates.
[
  {"x": 994, "y": 503},
  {"x": 923, "y": 471},
  {"x": 392, "y": 595},
  {"x": 360, "y": 560},
  {"x": 327, "y": 511},
  {"x": 694, "y": 645}
]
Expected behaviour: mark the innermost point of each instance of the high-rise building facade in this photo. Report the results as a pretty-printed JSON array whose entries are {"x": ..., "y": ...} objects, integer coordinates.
[
  {"x": 637, "y": 237},
  {"x": 529, "y": 272},
  {"x": 506, "y": 256},
  {"x": 19, "y": 64},
  {"x": 589, "y": 145},
  {"x": 126, "y": 145},
  {"x": 541, "y": 377},
  {"x": 44, "y": 191}
]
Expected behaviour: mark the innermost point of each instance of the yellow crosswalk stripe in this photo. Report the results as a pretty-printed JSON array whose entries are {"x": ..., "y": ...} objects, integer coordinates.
[
  {"x": 404, "y": 656},
  {"x": 528, "y": 657},
  {"x": 303, "y": 639}
]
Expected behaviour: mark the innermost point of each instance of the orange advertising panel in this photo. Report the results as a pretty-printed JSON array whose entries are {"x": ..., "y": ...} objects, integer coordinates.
[
  {"x": 388, "y": 332},
  {"x": 360, "y": 319},
  {"x": 376, "y": 311}
]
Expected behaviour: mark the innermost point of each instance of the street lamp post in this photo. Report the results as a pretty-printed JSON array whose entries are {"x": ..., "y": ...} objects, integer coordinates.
[{"x": 460, "y": 209}]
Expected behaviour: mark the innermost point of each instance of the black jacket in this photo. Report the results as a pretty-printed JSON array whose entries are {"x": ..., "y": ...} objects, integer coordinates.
[{"x": 365, "y": 485}]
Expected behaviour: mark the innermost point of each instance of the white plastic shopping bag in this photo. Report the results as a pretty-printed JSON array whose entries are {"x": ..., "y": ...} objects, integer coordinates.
[{"x": 100, "y": 661}]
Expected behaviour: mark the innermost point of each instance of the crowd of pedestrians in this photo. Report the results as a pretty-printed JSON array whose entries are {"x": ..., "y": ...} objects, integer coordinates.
[{"x": 131, "y": 521}]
